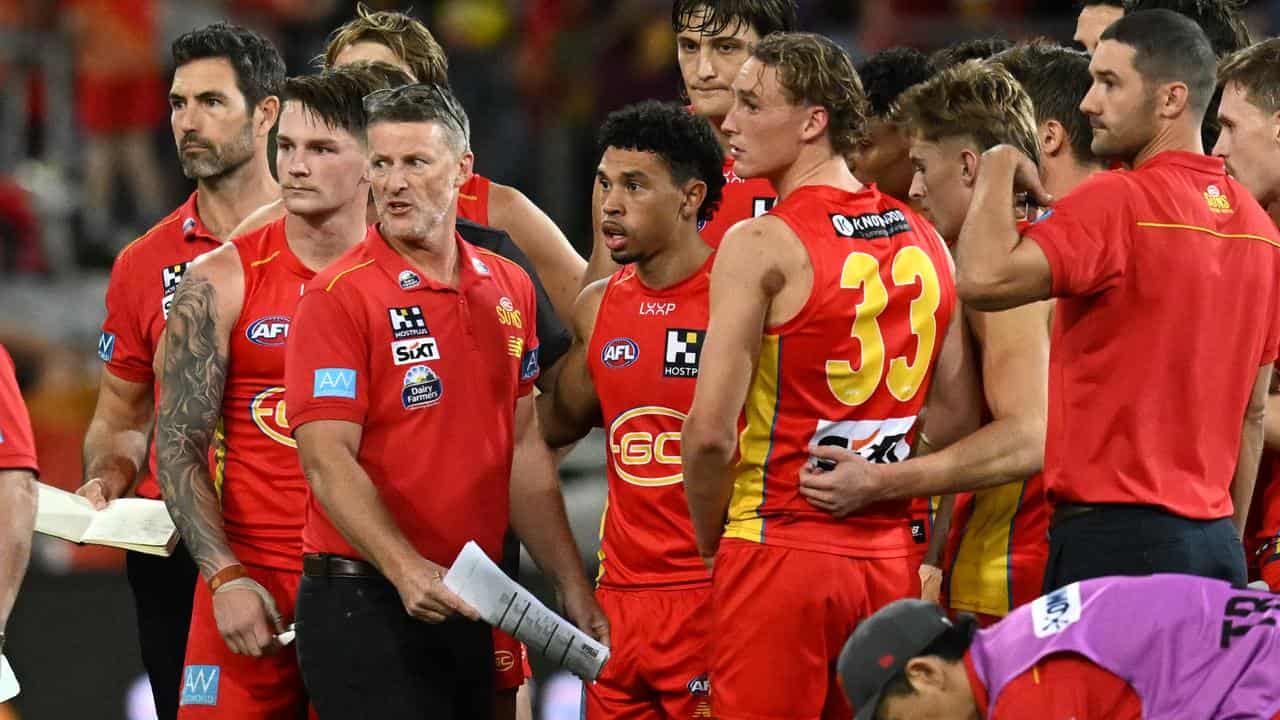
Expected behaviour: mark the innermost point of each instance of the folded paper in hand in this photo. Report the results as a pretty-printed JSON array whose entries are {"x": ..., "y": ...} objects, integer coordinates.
[
  {"x": 129, "y": 523},
  {"x": 8, "y": 681},
  {"x": 503, "y": 603}
]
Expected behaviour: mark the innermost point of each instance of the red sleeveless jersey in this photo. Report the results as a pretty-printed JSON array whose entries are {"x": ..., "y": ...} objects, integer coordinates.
[
  {"x": 852, "y": 368},
  {"x": 743, "y": 199},
  {"x": 264, "y": 494},
  {"x": 473, "y": 199},
  {"x": 643, "y": 358}
]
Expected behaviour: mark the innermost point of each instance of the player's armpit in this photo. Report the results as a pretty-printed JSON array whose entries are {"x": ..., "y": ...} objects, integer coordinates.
[
  {"x": 744, "y": 281},
  {"x": 571, "y": 407},
  {"x": 558, "y": 265},
  {"x": 197, "y": 336}
]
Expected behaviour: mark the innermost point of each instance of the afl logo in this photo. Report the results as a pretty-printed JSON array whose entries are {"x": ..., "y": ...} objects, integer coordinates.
[
  {"x": 619, "y": 353},
  {"x": 270, "y": 331},
  {"x": 268, "y": 413},
  {"x": 644, "y": 446}
]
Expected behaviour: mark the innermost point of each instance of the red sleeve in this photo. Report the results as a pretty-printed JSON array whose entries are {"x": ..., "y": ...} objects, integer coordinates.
[
  {"x": 125, "y": 345},
  {"x": 1067, "y": 687},
  {"x": 327, "y": 363},
  {"x": 1086, "y": 237},
  {"x": 530, "y": 367},
  {"x": 17, "y": 446}
]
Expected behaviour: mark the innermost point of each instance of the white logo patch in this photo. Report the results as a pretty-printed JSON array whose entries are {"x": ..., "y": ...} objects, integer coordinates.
[{"x": 1056, "y": 611}]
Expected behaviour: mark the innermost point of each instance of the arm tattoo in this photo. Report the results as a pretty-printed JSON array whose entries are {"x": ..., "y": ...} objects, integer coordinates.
[{"x": 194, "y": 376}]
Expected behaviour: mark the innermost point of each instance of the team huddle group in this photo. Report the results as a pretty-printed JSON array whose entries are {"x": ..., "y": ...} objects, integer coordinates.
[{"x": 883, "y": 352}]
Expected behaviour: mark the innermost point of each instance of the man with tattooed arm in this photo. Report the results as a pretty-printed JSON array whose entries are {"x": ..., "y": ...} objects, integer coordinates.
[{"x": 223, "y": 378}]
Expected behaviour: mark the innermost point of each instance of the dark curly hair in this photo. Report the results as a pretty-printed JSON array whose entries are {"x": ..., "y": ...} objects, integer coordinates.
[
  {"x": 763, "y": 16},
  {"x": 888, "y": 74},
  {"x": 257, "y": 63},
  {"x": 684, "y": 141}
]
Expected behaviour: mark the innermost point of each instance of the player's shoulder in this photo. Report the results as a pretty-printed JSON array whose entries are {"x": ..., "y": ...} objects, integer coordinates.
[
  {"x": 153, "y": 245},
  {"x": 505, "y": 270}
]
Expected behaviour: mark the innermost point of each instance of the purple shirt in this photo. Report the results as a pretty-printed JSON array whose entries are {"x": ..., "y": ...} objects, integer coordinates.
[{"x": 1190, "y": 647}]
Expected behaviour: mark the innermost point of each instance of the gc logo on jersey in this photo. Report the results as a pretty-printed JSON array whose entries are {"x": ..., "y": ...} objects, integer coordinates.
[
  {"x": 619, "y": 353},
  {"x": 270, "y": 331},
  {"x": 268, "y": 413},
  {"x": 422, "y": 388},
  {"x": 684, "y": 346},
  {"x": 644, "y": 446},
  {"x": 404, "y": 352},
  {"x": 169, "y": 279},
  {"x": 508, "y": 314},
  {"x": 408, "y": 322}
]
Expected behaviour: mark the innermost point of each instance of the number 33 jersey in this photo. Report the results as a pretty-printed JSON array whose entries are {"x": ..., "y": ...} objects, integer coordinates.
[
  {"x": 643, "y": 358},
  {"x": 851, "y": 369}
]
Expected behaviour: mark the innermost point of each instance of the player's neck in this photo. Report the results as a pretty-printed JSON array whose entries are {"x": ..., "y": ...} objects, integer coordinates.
[
  {"x": 815, "y": 166},
  {"x": 435, "y": 254},
  {"x": 1174, "y": 136},
  {"x": 223, "y": 203},
  {"x": 676, "y": 262},
  {"x": 318, "y": 240},
  {"x": 1062, "y": 174}
]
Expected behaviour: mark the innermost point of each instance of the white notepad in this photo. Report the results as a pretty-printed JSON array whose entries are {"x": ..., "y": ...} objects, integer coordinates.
[{"x": 129, "y": 523}]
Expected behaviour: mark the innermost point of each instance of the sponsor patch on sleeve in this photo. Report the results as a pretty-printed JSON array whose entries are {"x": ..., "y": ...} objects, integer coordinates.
[
  {"x": 335, "y": 382},
  {"x": 200, "y": 685},
  {"x": 1057, "y": 611},
  {"x": 529, "y": 367},
  {"x": 106, "y": 346}
]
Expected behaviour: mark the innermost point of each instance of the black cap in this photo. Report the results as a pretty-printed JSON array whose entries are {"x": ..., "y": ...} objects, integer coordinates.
[{"x": 881, "y": 646}]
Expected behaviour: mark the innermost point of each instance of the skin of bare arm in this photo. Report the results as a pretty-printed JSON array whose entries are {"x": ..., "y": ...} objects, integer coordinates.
[
  {"x": 115, "y": 445},
  {"x": 571, "y": 407},
  {"x": 17, "y": 522},
  {"x": 558, "y": 265}
]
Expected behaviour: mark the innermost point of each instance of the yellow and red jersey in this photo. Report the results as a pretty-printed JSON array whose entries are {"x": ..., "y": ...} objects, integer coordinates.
[
  {"x": 744, "y": 198},
  {"x": 473, "y": 199},
  {"x": 256, "y": 468},
  {"x": 643, "y": 358},
  {"x": 852, "y": 368}
]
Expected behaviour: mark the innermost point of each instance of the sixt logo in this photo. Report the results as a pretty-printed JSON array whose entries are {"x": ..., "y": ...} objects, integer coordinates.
[
  {"x": 619, "y": 353},
  {"x": 269, "y": 331}
]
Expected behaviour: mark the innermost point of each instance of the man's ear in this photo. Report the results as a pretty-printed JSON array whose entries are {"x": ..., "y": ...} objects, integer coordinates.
[
  {"x": 926, "y": 673},
  {"x": 969, "y": 167},
  {"x": 695, "y": 192},
  {"x": 1172, "y": 99},
  {"x": 1053, "y": 138},
  {"x": 265, "y": 115}
]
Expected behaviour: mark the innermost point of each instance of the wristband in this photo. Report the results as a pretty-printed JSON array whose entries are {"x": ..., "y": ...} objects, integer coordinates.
[{"x": 226, "y": 575}]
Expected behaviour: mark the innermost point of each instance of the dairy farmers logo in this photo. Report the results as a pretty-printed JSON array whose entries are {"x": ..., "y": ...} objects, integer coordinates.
[
  {"x": 422, "y": 388},
  {"x": 409, "y": 279},
  {"x": 270, "y": 331},
  {"x": 644, "y": 446},
  {"x": 268, "y": 413},
  {"x": 619, "y": 353}
]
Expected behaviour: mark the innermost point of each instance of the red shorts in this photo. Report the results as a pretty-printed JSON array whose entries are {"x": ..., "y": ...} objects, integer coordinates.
[
  {"x": 510, "y": 662},
  {"x": 108, "y": 106},
  {"x": 659, "y": 655},
  {"x": 781, "y": 617},
  {"x": 217, "y": 683}
]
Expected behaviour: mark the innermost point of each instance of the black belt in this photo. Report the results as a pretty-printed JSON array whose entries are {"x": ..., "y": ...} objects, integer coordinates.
[{"x": 320, "y": 565}]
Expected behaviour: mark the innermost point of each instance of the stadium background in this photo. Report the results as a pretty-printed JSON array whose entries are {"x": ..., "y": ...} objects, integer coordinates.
[{"x": 536, "y": 77}]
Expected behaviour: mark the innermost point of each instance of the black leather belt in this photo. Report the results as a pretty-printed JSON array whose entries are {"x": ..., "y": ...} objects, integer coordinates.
[{"x": 320, "y": 565}]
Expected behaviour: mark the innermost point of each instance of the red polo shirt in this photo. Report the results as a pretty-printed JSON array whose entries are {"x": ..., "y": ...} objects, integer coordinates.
[
  {"x": 17, "y": 448},
  {"x": 143, "y": 281},
  {"x": 432, "y": 374},
  {"x": 1169, "y": 279}
]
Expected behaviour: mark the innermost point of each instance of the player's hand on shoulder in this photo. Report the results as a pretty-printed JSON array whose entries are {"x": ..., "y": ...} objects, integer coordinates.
[
  {"x": 839, "y": 481},
  {"x": 425, "y": 596},
  {"x": 247, "y": 617}
]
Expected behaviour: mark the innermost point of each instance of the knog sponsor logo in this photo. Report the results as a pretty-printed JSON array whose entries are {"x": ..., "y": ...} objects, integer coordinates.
[{"x": 870, "y": 226}]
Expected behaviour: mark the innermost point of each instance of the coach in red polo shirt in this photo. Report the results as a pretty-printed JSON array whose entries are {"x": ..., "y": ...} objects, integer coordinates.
[
  {"x": 1169, "y": 283},
  {"x": 410, "y": 365}
]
